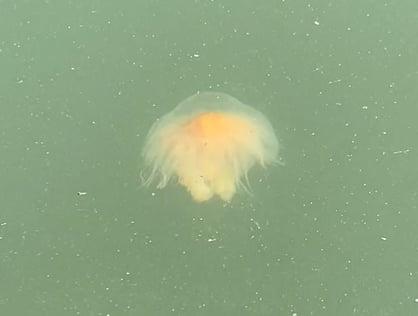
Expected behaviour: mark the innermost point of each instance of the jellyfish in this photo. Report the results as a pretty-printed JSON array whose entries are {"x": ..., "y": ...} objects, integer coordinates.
[{"x": 209, "y": 142}]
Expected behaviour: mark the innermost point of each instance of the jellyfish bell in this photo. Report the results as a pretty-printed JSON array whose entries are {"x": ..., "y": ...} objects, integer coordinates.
[{"x": 209, "y": 142}]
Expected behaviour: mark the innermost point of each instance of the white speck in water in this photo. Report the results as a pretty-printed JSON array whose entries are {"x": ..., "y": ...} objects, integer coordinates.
[{"x": 405, "y": 151}]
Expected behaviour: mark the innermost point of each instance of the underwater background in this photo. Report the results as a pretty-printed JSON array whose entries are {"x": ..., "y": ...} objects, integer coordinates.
[{"x": 331, "y": 231}]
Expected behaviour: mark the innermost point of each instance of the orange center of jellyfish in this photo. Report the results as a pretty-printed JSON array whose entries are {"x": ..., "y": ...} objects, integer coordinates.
[
  {"x": 210, "y": 124},
  {"x": 209, "y": 170}
]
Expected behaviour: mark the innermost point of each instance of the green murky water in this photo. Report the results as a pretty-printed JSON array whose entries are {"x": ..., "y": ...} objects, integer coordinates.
[{"x": 332, "y": 232}]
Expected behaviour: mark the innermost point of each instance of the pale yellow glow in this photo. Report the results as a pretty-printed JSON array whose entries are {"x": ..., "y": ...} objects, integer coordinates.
[{"x": 209, "y": 142}]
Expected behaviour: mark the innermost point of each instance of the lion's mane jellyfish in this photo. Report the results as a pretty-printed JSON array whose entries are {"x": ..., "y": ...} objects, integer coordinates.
[{"x": 209, "y": 142}]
